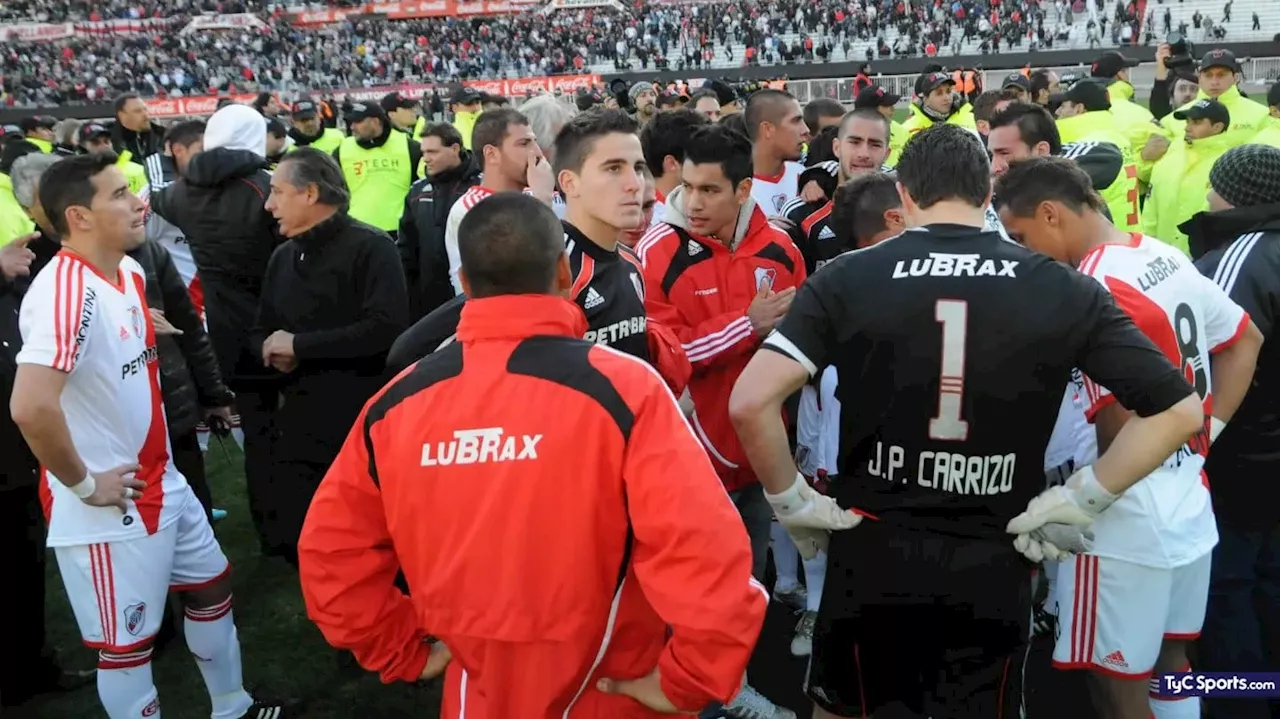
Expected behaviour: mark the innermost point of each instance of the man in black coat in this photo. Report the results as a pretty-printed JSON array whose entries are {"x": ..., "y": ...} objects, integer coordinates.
[
  {"x": 333, "y": 301},
  {"x": 30, "y": 671},
  {"x": 219, "y": 206},
  {"x": 451, "y": 171}
]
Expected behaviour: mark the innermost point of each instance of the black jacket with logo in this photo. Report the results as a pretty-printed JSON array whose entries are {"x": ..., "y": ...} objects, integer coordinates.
[
  {"x": 421, "y": 237},
  {"x": 1240, "y": 250},
  {"x": 219, "y": 205}
]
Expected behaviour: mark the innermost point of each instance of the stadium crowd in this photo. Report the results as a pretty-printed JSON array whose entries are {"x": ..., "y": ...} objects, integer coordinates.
[
  {"x": 361, "y": 52},
  {"x": 290, "y": 259}
]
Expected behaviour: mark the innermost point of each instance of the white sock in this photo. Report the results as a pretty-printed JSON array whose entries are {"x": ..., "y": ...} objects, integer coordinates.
[
  {"x": 1171, "y": 708},
  {"x": 1051, "y": 585},
  {"x": 212, "y": 639},
  {"x": 815, "y": 575},
  {"x": 786, "y": 558},
  {"x": 125, "y": 686}
]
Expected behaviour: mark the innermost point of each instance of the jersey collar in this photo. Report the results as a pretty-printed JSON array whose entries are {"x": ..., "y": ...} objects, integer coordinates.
[{"x": 519, "y": 316}]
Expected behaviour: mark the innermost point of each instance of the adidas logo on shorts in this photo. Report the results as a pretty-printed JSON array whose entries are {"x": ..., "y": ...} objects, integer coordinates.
[{"x": 594, "y": 299}]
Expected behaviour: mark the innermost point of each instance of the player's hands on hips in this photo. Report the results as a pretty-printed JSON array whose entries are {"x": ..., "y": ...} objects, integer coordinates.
[
  {"x": 647, "y": 690},
  {"x": 1077, "y": 502},
  {"x": 809, "y": 516},
  {"x": 116, "y": 487},
  {"x": 437, "y": 661}
]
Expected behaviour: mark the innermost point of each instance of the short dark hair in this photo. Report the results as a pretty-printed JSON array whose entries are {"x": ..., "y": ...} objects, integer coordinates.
[
  {"x": 701, "y": 94},
  {"x": 577, "y": 138},
  {"x": 510, "y": 244},
  {"x": 1034, "y": 123},
  {"x": 822, "y": 146},
  {"x": 668, "y": 133},
  {"x": 867, "y": 113},
  {"x": 122, "y": 100},
  {"x": 820, "y": 108},
  {"x": 945, "y": 162},
  {"x": 69, "y": 183},
  {"x": 1029, "y": 182},
  {"x": 1040, "y": 80},
  {"x": 446, "y": 133},
  {"x": 858, "y": 207},
  {"x": 764, "y": 106},
  {"x": 736, "y": 122},
  {"x": 984, "y": 105},
  {"x": 309, "y": 166},
  {"x": 492, "y": 126},
  {"x": 721, "y": 146},
  {"x": 185, "y": 133}
]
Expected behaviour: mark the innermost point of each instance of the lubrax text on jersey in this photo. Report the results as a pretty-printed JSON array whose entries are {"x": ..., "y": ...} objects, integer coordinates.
[
  {"x": 946, "y": 471},
  {"x": 610, "y": 334},
  {"x": 946, "y": 264},
  {"x": 476, "y": 446},
  {"x": 1158, "y": 270},
  {"x": 137, "y": 364}
]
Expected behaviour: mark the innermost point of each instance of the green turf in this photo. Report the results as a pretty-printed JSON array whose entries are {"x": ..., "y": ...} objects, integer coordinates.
[{"x": 284, "y": 654}]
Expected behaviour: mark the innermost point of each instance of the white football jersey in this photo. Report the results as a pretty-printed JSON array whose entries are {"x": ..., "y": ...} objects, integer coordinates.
[
  {"x": 100, "y": 333},
  {"x": 1165, "y": 520},
  {"x": 773, "y": 193},
  {"x": 459, "y": 210}
]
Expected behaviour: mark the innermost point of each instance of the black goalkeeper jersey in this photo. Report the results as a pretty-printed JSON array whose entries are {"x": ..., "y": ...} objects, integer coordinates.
[{"x": 952, "y": 346}]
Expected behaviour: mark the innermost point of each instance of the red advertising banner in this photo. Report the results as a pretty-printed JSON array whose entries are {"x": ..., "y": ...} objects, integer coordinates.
[
  {"x": 411, "y": 10},
  {"x": 515, "y": 89}
]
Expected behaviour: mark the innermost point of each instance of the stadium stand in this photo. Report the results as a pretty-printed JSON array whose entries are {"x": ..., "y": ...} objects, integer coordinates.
[{"x": 58, "y": 53}]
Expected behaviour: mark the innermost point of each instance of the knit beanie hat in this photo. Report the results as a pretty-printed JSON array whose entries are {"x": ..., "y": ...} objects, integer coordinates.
[{"x": 1247, "y": 175}]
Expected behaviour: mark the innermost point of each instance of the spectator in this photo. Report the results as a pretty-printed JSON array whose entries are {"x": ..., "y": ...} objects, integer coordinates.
[{"x": 134, "y": 136}]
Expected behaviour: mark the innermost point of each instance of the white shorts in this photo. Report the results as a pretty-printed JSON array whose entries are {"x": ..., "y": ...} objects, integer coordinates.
[
  {"x": 808, "y": 432},
  {"x": 118, "y": 589},
  {"x": 1114, "y": 615}
]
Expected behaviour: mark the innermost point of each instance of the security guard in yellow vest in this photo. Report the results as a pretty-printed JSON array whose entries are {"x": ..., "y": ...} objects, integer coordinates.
[
  {"x": 1084, "y": 116},
  {"x": 38, "y": 130},
  {"x": 309, "y": 131},
  {"x": 938, "y": 102},
  {"x": 97, "y": 138},
  {"x": 379, "y": 163},
  {"x": 402, "y": 111}
]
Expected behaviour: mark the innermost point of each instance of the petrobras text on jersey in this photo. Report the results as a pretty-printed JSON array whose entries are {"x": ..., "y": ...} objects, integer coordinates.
[
  {"x": 476, "y": 446},
  {"x": 1217, "y": 684},
  {"x": 985, "y": 475},
  {"x": 611, "y": 334},
  {"x": 946, "y": 264}
]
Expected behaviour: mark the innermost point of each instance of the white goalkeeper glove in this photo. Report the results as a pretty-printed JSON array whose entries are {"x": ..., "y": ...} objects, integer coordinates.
[
  {"x": 1054, "y": 542},
  {"x": 1077, "y": 502},
  {"x": 809, "y": 516}
]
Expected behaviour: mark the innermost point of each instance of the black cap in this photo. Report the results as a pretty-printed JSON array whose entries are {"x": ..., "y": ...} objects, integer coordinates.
[
  {"x": 875, "y": 96},
  {"x": 725, "y": 94},
  {"x": 1220, "y": 58},
  {"x": 1210, "y": 110},
  {"x": 92, "y": 131},
  {"x": 1091, "y": 93},
  {"x": 304, "y": 110},
  {"x": 363, "y": 111},
  {"x": 1018, "y": 80},
  {"x": 1273, "y": 96},
  {"x": 1109, "y": 64},
  {"x": 467, "y": 96},
  {"x": 395, "y": 101},
  {"x": 933, "y": 81},
  {"x": 29, "y": 124}
]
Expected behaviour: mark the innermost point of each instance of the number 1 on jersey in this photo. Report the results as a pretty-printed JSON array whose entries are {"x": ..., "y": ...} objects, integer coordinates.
[{"x": 953, "y": 315}]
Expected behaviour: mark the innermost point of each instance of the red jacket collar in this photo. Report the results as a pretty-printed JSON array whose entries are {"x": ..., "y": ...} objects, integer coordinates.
[{"x": 519, "y": 316}]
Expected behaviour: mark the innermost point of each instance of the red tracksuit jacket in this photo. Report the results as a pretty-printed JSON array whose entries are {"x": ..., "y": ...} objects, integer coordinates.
[
  {"x": 701, "y": 289},
  {"x": 553, "y": 514}
]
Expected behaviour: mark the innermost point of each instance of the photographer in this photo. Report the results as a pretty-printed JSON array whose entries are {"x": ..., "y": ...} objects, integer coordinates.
[{"x": 1176, "y": 83}]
